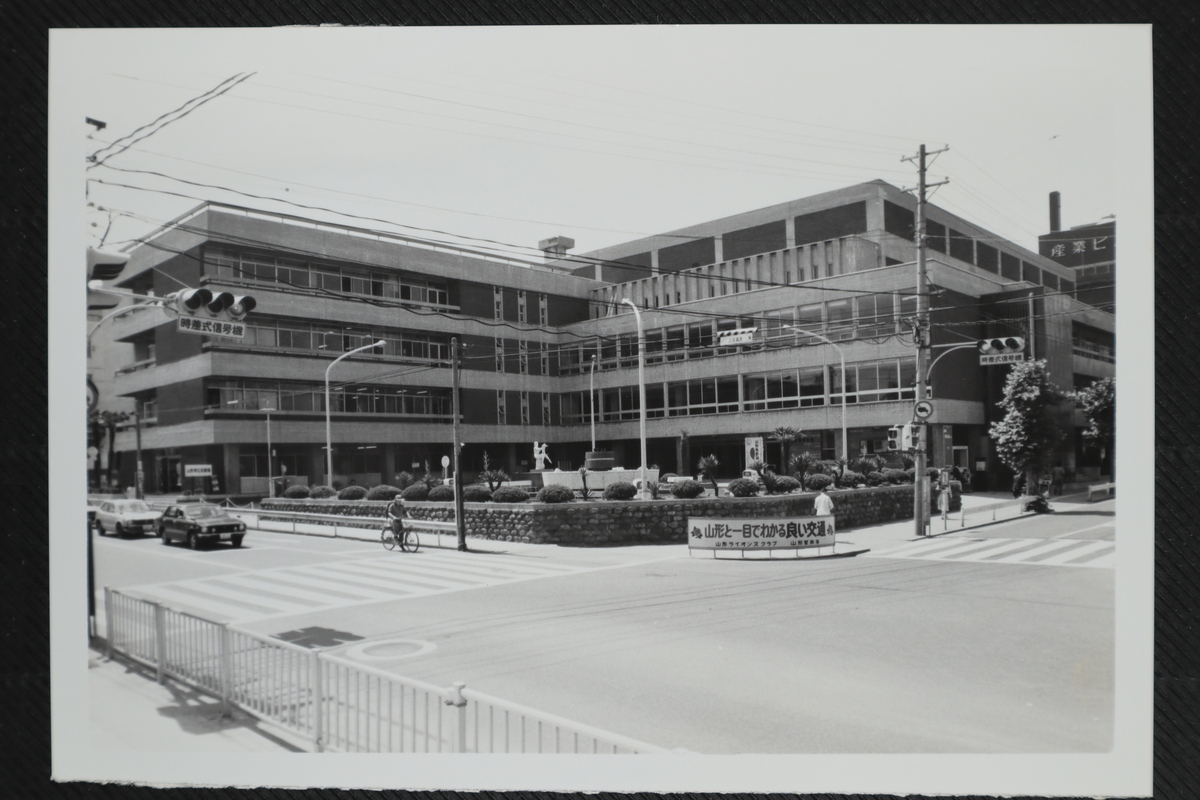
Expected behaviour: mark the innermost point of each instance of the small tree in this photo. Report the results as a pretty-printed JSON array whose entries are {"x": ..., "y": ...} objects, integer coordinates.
[
  {"x": 1027, "y": 436},
  {"x": 1099, "y": 407},
  {"x": 492, "y": 477},
  {"x": 785, "y": 436},
  {"x": 803, "y": 464},
  {"x": 707, "y": 467}
]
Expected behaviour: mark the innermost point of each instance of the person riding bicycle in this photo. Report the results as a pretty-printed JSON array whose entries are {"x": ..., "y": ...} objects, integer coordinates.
[{"x": 396, "y": 515}]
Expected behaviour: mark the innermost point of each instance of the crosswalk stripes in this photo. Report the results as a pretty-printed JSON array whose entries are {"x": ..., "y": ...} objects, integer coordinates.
[
  {"x": 283, "y": 591},
  {"x": 1045, "y": 552}
]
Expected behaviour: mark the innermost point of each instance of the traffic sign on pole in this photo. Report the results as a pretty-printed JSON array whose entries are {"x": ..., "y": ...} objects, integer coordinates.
[{"x": 923, "y": 409}]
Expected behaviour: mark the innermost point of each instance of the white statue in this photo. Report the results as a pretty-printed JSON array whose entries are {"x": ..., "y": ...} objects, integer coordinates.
[{"x": 539, "y": 455}]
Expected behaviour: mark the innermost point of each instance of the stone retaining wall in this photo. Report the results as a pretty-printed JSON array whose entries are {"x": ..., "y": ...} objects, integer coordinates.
[{"x": 630, "y": 522}]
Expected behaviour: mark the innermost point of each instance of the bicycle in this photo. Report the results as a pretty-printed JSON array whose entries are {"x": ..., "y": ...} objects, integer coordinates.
[{"x": 408, "y": 541}]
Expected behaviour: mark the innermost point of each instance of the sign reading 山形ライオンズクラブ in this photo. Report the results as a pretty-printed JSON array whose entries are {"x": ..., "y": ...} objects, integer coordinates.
[{"x": 710, "y": 533}]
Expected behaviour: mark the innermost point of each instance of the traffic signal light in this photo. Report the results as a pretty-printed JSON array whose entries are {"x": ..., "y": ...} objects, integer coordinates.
[
  {"x": 895, "y": 438},
  {"x": 1008, "y": 344},
  {"x": 916, "y": 437},
  {"x": 241, "y": 306},
  {"x": 189, "y": 301},
  {"x": 104, "y": 265}
]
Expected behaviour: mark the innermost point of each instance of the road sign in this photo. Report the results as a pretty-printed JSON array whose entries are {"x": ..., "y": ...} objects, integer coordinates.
[
  {"x": 197, "y": 470},
  {"x": 1001, "y": 358},
  {"x": 213, "y": 327},
  {"x": 923, "y": 409},
  {"x": 736, "y": 336}
]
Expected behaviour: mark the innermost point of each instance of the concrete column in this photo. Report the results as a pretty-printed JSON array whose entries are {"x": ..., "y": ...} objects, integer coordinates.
[
  {"x": 718, "y": 248},
  {"x": 232, "y": 468},
  {"x": 789, "y": 230},
  {"x": 389, "y": 462}
]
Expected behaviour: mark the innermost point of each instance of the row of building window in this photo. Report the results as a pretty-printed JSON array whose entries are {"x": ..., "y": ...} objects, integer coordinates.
[
  {"x": 522, "y": 306},
  {"x": 288, "y": 396},
  {"x": 870, "y": 382},
  {"x": 523, "y": 410},
  {"x": 293, "y": 335},
  {"x": 231, "y": 264}
]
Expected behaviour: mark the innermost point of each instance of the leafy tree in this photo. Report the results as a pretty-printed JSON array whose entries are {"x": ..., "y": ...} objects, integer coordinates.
[
  {"x": 108, "y": 422},
  {"x": 707, "y": 469},
  {"x": 1099, "y": 407},
  {"x": 803, "y": 464},
  {"x": 1030, "y": 431},
  {"x": 785, "y": 436}
]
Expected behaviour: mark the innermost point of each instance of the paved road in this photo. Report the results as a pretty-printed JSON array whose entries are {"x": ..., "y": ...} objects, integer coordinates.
[{"x": 997, "y": 639}]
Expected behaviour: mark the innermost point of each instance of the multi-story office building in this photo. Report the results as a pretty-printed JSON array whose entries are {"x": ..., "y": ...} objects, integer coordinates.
[
  {"x": 836, "y": 267},
  {"x": 1090, "y": 251}
]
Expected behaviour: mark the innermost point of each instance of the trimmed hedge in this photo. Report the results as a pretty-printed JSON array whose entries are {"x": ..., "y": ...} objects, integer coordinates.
[
  {"x": 555, "y": 493},
  {"x": 416, "y": 493},
  {"x": 383, "y": 492},
  {"x": 896, "y": 476},
  {"x": 296, "y": 492},
  {"x": 510, "y": 494},
  {"x": 849, "y": 479},
  {"x": 321, "y": 492},
  {"x": 875, "y": 478},
  {"x": 620, "y": 491},
  {"x": 743, "y": 487},
  {"x": 477, "y": 493},
  {"x": 786, "y": 484},
  {"x": 686, "y": 490},
  {"x": 441, "y": 494},
  {"x": 818, "y": 482},
  {"x": 353, "y": 493}
]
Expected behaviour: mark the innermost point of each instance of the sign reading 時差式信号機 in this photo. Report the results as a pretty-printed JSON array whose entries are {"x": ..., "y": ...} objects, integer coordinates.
[
  {"x": 213, "y": 327},
  {"x": 711, "y": 533}
]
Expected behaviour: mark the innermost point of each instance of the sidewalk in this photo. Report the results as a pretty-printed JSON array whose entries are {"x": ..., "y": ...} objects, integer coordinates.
[{"x": 129, "y": 710}]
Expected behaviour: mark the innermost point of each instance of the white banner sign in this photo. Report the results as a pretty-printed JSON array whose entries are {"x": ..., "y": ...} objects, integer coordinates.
[
  {"x": 754, "y": 450},
  {"x": 197, "y": 470},
  {"x": 1001, "y": 358},
  {"x": 735, "y": 336},
  {"x": 213, "y": 327},
  {"x": 710, "y": 533}
]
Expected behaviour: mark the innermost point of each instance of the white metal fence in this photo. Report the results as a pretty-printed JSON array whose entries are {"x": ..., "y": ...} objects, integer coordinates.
[{"x": 333, "y": 703}]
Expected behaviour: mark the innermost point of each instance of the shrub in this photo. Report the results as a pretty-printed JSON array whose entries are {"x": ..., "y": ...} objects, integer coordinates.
[
  {"x": 620, "y": 491},
  {"x": 785, "y": 484},
  {"x": 296, "y": 492},
  {"x": 743, "y": 487},
  {"x": 510, "y": 494},
  {"x": 850, "y": 478},
  {"x": 896, "y": 476},
  {"x": 875, "y": 478},
  {"x": 828, "y": 466},
  {"x": 403, "y": 480},
  {"x": 383, "y": 492},
  {"x": 555, "y": 493},
  {"x": 911, "y": 472},
  {"x": 817, "y": 482},
  {"x": 441, "y": 494},
  {"x": 477, "y": 493},
  {"x": 321, "y": 492},
  {"x": 416, "y": 492},
  {"x": 354, "y": 492},
  {"x": 686, "y": 490}
]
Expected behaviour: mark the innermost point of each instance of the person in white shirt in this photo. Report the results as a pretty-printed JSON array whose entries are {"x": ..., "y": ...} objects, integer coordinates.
[{"x": 823, "y": 504}]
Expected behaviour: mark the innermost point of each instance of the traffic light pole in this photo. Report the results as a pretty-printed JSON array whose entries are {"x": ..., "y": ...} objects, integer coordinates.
[{"x": 921, "y": 331}]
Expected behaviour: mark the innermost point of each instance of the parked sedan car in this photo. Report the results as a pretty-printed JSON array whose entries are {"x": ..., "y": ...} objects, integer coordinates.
[
  {"x": 126, "y": 517},
  {"x": 195, "y": 523}
]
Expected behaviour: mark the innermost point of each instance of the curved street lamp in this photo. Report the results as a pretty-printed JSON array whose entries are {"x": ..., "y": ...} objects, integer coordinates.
[
  {"x": 842, "y": 356},
  {"x": 328, "y": 419},
  {"x": 637, "y": 312}
]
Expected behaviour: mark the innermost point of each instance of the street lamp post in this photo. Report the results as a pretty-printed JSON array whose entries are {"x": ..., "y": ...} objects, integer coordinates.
[
  {"x": 641, "y": 388},
  {"x": 842, "y": 357},
  {"x": 592, "y": 400},
  {"x": 270, "y": 473},
  {"x": 328, "y": 417}
]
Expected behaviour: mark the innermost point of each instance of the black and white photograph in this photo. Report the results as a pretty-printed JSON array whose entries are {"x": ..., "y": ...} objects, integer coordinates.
[{"x": 657, "y": 408}]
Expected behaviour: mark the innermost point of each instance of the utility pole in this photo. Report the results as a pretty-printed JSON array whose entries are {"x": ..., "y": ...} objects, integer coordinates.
[
  {"x": 921, "y": 335},
  {"x": 138, "y": 477},
  {"x": 460, "y": 522}
]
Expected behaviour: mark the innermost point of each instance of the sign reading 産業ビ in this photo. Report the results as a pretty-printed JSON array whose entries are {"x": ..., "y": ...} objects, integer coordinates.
[
  {"x": 710, "y": 533},
  {"x": 213, "y": 327}
]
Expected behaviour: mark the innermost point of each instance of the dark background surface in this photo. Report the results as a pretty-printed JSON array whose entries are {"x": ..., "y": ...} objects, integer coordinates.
[{"x": 24, "y": 596}]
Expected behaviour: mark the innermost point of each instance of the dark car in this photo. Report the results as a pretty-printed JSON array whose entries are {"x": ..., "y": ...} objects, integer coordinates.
[{"x": 196, "y": 523}]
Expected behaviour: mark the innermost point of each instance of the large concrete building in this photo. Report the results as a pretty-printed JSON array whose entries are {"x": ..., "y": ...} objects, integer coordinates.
[{"x": 840, "y": 265}]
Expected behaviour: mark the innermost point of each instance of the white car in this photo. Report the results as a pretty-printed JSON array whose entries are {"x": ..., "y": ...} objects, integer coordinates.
[{"x": 126, "y": 517}]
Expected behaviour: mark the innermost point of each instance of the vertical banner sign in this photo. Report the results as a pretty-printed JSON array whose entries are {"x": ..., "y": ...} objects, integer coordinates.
[
  {"x": 754, "y": 450},
  {"x": 789, "y": 533}
]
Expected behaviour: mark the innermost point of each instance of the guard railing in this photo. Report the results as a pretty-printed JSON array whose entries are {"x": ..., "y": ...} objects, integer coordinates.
[{"x": 333, "y": 703}]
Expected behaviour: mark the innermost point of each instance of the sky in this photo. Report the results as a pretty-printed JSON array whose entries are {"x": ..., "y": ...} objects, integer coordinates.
[{"x": 500, "y": 137}]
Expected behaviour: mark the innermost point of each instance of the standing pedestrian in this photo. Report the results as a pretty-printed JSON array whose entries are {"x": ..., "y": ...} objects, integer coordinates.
[
  {"x": 1018, "y": 484},
  {"x": 1057, "y": 477},
  {"x": 824, "y": 504}
]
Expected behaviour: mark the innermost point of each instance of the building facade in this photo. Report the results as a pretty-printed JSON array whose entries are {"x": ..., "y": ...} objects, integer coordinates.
[{"x": 549, "y": 350}]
